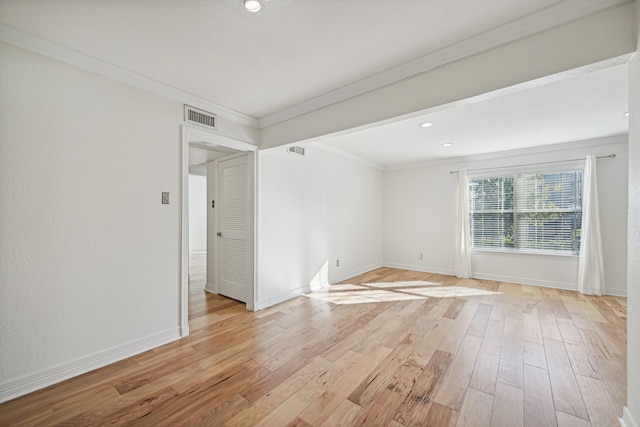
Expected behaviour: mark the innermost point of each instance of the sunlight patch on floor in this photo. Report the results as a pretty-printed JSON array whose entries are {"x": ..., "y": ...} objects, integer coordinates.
[
  {"x": 346, "y": 293},
  {"x": 451, "y": 291},
  {"x": 362, "y": 297},
  {"x": 402, "y": 284}
]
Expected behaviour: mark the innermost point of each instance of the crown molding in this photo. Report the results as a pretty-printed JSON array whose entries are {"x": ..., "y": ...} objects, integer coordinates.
[
  {"x": 542, "y": 149},
  {"x": 540, "y": 21},
  {"x": 529, "y": 25},
  {"x": 85, "y": 62}
]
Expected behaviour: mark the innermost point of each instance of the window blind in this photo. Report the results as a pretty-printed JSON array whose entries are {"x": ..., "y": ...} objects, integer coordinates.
[{"x": 527, "y": 211}]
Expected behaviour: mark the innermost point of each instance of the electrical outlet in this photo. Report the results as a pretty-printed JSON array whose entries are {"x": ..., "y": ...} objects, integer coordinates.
[
  {"x": 337, "y": 263},
  {"x": 165, "y": 197},
  {"x": 420, "y": 255}
]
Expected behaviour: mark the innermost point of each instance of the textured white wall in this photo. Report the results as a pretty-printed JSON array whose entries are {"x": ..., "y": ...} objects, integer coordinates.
[
  {"x": 420, "y": 211},
  {"x": 314, "y": 210},
  {"x": 89, "y": 257},
  {"x": 197, "y": 213},
  {"x": 633, "y": 240}
]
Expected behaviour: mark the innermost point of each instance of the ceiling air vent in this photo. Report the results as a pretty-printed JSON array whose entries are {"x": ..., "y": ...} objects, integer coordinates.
[
  {"x": 199, "y": 117},
  {"x": 296, "y": 150}
]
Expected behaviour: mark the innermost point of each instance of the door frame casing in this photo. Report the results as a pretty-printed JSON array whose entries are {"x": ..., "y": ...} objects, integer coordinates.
[{"x": 192, "y": 134}]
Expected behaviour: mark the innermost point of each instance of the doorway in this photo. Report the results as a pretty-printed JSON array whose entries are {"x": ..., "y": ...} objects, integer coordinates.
[
  {"x": 197, "y": 223},
  {"x": 220, "y": 159}
]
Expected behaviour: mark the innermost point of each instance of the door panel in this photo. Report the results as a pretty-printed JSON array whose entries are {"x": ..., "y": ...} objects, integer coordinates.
[{"x": 233, "y": 222}]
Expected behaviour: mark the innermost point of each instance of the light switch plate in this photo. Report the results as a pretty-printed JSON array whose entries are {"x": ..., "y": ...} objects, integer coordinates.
[{"x": 165, "y": 197}]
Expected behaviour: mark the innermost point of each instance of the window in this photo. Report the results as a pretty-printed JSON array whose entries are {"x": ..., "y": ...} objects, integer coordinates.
[{"x": 527, "y": 212}]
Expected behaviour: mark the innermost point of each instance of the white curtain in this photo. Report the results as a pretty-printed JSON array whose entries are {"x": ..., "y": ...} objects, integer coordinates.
[
  {"x": 463, "y": 255},
  {"x": 590, "y": 265}
]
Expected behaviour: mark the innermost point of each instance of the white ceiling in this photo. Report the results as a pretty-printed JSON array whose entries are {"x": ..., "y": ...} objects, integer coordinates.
[
  {"x": 200, "y": 153},
  {"x": 198, "y": 156},
  {"x": 587, "y": 106},
  {"x": 295, "y": 51}
]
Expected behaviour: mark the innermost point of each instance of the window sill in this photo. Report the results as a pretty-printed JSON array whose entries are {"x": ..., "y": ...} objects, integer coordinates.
[{"x": 524, "y": 252}]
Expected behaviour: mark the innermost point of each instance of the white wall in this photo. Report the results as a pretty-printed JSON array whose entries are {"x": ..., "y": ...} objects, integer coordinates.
[
  {"x": 197, "y": 213},
  {"x": 89, "y": 257},
  {"x": 420, "y": 211},
  {"x": 632, "y": 411},
  {"x": 314, "y": 210}
]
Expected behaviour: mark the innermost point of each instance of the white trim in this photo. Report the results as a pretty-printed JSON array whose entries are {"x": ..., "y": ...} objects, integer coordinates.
[
  {"x": 252, "y": 161},
  {"x": 543, "y": 20},
  {"x": 192, "y": 134},
  {"x": 562, "y": 146},
  {"x": 530, "y": 84},
  {"x": 567, "y": 286},
  {"x": 627, "y": 420},
  {"x": 421, "y": 268},
  {"x": 269, "y": 302},
  {"x": 526, "y": 281},
  {"x": 184, "y": 233},
  {"x": 254, "y": 292},
  {"x": 356, "y": 272},
  {"x": 513, "y": 251},
  {"x": 542, "y": 149},
  {"x": 31, "y": 382},
  {"x": 85, "y": 62},
  {"x": 338, "y": 152},
  {"x": 211, "y": 288},
  {"x": 550, "y": 17},
  {"x": 616, "y": 292},
  {"x": 511, "y": 279},
  {"x": 215, "y": 139}
]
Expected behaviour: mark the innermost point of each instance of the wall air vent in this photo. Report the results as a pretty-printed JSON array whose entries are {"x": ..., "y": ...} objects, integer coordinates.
[
  {"x": 200, "y": 117},
  {"x": 296, "y": 150}
]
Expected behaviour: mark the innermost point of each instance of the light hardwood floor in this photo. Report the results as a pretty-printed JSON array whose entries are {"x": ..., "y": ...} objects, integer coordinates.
[
  {"x": 197, "y": 270},
  {"x": 387, "y": 348}
]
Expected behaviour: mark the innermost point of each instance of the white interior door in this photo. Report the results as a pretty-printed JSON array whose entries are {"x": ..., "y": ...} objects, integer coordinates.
[{"x": 233, "y": 228}]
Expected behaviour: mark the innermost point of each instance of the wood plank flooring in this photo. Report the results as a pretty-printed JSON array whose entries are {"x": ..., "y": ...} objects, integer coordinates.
[
  {"x": 197, "y": 270},
  {"x": 387, "y": 348}
]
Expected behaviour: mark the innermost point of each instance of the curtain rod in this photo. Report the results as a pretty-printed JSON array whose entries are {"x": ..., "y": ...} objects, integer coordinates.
[{"x": 610, "y": 156}]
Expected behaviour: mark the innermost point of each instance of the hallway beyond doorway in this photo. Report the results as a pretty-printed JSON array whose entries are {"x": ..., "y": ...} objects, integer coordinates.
[{"x": 197, "y": 270}]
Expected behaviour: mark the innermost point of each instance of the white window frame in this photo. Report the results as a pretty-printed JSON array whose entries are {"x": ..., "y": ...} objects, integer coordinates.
[{"x": 517, "y": 173}]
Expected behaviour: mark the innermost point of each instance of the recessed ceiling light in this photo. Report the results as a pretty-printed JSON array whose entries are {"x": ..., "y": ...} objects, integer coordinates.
[
  {"x": 426, "y": 125},
  {"x": 252, "y": 6},
  {"x": 626, "y": 114},
  {"x": 447, "y": 144}
]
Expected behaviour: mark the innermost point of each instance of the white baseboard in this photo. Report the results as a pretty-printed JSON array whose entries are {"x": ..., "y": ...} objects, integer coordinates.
[
  {"x": 353, "y": 273},
  {"x": 282, "y": 298},
  {"x": 526, "y": 281},
  {"x": 546, "y": 283},
  {"x": 184, "y": 331},
  {"x": 268, "y": 302},
  {"x": 210, "y": 288},
  {"x": 627, "y": 420},
  {"x": 616, "y": 292},
  {"x": 416, "y": 267},
  {"x": 500, "y": 278},
  {"x": 20, "y": 386}
]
